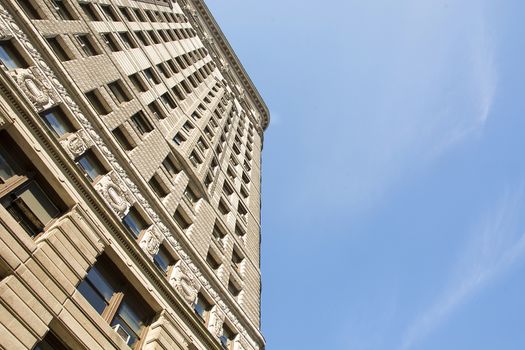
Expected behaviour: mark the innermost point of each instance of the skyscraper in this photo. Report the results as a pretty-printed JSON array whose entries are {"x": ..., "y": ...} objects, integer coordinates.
[{"x": 130, "y": 147}]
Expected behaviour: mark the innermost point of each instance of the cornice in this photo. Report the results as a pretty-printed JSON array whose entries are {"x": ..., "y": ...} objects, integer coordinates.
[{"x": 233, "y": 60}]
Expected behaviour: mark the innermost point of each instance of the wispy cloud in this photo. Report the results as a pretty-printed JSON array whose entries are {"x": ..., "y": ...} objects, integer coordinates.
[{"x": 494, "y": 246}]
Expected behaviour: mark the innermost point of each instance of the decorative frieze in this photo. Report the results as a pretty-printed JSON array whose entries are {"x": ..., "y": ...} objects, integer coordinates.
[
  {"x": 35, "y": 87},
  {"x": 115, "y": 194}
]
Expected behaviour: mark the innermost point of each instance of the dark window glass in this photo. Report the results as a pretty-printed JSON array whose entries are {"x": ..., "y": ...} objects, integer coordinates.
[
  {"x": 116, "y": 300},
  {"x": 89, "y": 11},
  {"x": 30, "y": 9},
  {"x": 170, "y": 167},
  {"x": 141, "y": 123},
  {"x": 109, "y": 13},
  {"x": 134, "y": 222},
  {"x": 85, "y": 45},
  {"x": 30, "y": 207},
  {"x": 122, "y": 138},
  {"x": 62, "y": 10},
  {"x": 57, "y": 121},
  {"x": 118, "y": 91},
  {"x": 50, "y": 342},
  {"x": 97, "y": 103},
  {"x": 56, "y": 45},
  {"x": 126, "y": 39},
  {"x": 152, "y": 77},
  {"x": 157, "y": 187},
  {"x": 163, "y": 259},
  {"x": 110, "y": 41},
  {"x": 10, "y": 56},
  {"x": 137, "y": 82},
  {"x": 91, "y": 166}
]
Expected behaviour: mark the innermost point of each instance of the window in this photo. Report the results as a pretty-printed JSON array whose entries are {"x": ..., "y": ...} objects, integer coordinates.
[
  {"x": 190, "y": 195},
  {"x": 202, "y": 308},
  {"x": 228, "y": 190},
  {"x": 118, "y": 90},
  {"x": 218, "y": 235},
  {"x": 57, "y": 121},
  {"x": 168, "y": 100},
  {"x": 117, "y": 301},
  {"x": 182, "y": 219},
  {"x": 157, "y": 187},
  {"x": 23, "y": 191},
  {"x": 50, "y": 342},
  {"x": 139, "y": 15},
  {"x": 156, "y": 110},
  {"x": 62, "y": 10},
  {"x": 123, "y": 138},
  {"x": 242, "y": 211},
  {"x": 127, "y": 15},
  {"x": 164, "y": 260},
  {"x": 178, "y": 138},
  {"x": 227, "y": 337},
  {"x": 90, "y": 165},
  {"x": 236, "y": 260},
  {"x": 127, "y": 41},
  {"x": 212, "y": 261},
  {"x": 244, "y": 192},
  {"x": 85, "y": 45},
  {"x": 170, "y": 167},
  {"x": 10, "y": 56},
  {"x": 142, "y": 38},
  {"x": 239, "y": 231},
  {"x": 233, "y": 288},
  {"x": 89, "y": 11},
  {"x": 57, "y": 47},
  {"x": 188, "y": 127},
  {"x": 141, "y": 123},
  {"x": 97, "y": 102},
  {"x": 30, "y": 9},
  {"x": 208, "y": 180},
  {"x": 134, "y": 222},
  {"x": 153, "y": 37},
  {"x": 109, "y": 13},
  {"x": 138, "y": 82},
  {"x": 151, "y": 76},
  {"x": 195, "y": 159},
  {"x": 163, "y": 70},
  {"x": 110, "y": 41}
]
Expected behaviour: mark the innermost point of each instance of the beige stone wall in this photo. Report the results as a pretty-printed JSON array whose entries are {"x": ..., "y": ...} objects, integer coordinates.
[{"x": 40, "y": 276}]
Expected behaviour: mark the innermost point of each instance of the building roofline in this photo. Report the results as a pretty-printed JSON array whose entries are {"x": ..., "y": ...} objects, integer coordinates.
[{"x": 234, "y": 61}]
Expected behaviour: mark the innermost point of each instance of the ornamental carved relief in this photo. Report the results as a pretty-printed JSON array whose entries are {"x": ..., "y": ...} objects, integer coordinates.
[
  {"x": 216, "y": 322},
  {"x": 115, "y": 195},
  {"x": 76, "y": 144},
  {"x": 150, "y": 242},
  {"x": 184, "y": 283},
  {"x": 35, "y": 87}
]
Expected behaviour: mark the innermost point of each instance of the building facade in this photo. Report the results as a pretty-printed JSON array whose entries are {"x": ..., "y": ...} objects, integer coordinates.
[{"x": 130, "y": 155}]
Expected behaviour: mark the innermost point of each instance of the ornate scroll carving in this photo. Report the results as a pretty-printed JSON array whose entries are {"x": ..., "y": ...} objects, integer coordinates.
[
  {"x": 184, "y": 283},
  {"x": 115, "y": 194},
  {"x": 35, "y": 87}
]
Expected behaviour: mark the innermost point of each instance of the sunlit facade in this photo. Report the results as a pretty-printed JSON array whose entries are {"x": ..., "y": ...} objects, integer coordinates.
[{"x": 130, "y": 147}]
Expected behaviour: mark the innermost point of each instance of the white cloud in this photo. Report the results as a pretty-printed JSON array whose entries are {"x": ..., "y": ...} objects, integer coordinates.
[{"x": 495, "y": 245}]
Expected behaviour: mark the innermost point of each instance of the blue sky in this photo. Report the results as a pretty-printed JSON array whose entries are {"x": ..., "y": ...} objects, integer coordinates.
[{"x": 393, "y": 170}]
